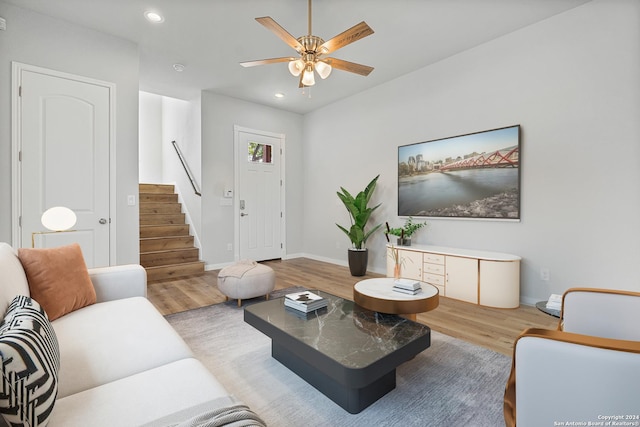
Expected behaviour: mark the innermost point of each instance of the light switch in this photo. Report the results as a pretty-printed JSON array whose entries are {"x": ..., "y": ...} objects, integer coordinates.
[{"x": 131, "y": 200}]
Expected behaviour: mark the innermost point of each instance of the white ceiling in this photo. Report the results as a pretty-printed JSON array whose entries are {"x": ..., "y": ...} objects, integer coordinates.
[{"x": 210, "y": 37}]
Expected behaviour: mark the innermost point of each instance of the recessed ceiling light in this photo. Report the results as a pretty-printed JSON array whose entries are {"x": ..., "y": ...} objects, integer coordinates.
[
  {"x": 178, "y": 67},
  {"x": 154, "y": 17},
  {"x": 279, "y": 95}
]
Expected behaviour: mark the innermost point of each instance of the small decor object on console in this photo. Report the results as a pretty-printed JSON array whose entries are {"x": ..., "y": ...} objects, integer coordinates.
[
  {"x": 405, "y": 232},
  {"x": 305, "y": 301},
  {"x": 406, "y": 286}
]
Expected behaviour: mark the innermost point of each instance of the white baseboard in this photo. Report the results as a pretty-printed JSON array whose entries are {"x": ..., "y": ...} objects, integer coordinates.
[
  {"x": 341, "y": 262},
  {"x": 209, "y": 267}
]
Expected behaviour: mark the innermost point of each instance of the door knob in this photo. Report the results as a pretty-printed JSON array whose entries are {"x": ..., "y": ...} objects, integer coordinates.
[
  {"x": 243, "y": 214},
  {"x": 102, "y": 220}
]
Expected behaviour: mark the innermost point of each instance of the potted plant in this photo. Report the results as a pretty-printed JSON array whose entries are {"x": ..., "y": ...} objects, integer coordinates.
[
  {"x": 359, "y": 213},
  {"x": 405, "y": 232}
]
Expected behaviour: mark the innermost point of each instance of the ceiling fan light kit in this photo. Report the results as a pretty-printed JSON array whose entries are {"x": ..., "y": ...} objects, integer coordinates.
[
  {"x": 323, "y": 69},
  {"x": 312, "y": 49},
  {"x": 308, "y": 79},
  {"x": 296, "y": 66}
]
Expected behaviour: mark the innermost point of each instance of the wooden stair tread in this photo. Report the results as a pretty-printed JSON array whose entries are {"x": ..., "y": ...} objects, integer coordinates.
[
  {"x": 157, "y": 197},
  {"x": 160, "y": 207},
  {"x": 162, "y": 251},
  {"x": 174, "y": 270},
  {"x": 169, "y": 257},
  {"x": 158, "y": 230},
  {"x": 159, "y": 219},
  {"x": 157, "y": 188},
  {"x": 162, "y": 243}
]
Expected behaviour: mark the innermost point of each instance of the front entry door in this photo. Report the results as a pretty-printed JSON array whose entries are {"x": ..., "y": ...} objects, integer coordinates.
[
  {"x": 64, "y": 142},
  {"x": 258, "y": 195}
]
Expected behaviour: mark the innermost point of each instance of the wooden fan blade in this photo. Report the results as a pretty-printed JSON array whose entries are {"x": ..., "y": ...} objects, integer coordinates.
[
  {"x": 267, "y": 61},
  {"x": 351, "y": 67},
  {"x": 277, "y": 29},
  {"x": 349, "y": 36}
]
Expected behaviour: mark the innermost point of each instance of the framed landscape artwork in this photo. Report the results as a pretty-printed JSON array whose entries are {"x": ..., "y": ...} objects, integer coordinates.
[{"x": 468, "y": 176}]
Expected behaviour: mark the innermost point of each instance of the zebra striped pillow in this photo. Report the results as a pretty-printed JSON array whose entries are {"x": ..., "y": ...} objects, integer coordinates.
[{"x": 30, "y": 364}]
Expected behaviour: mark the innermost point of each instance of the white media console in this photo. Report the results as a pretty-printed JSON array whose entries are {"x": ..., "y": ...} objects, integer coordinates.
[{"x": 486, "y": 278}]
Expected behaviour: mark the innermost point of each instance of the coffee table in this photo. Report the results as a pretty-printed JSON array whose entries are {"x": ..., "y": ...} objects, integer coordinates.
[
  {"x": 349, "y": 353},
  {"x": 378, "y": 295}
]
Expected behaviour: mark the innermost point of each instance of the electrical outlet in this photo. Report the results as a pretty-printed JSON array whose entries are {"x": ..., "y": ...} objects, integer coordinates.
[{"x": 544, "y": 274}]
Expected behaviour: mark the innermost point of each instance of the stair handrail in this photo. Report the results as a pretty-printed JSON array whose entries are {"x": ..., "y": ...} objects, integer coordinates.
[{"x": 186, "y": 168}]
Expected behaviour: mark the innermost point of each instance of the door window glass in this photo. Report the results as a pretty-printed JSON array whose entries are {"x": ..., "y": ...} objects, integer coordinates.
[{"x": 259, "y": 153}]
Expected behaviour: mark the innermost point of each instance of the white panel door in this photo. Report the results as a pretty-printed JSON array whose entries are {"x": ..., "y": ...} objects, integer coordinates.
[
  {"x": 259, "y": 196},
  {"x": 65, "y": 147}
]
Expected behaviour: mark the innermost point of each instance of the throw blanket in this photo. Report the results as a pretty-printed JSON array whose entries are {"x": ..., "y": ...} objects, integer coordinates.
[
  {"x": 238, "y": 269},
  {"x": 230, "y": 416}
]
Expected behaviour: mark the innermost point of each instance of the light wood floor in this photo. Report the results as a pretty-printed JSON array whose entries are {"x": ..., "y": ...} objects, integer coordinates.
[{"x": 493, "y": 328}]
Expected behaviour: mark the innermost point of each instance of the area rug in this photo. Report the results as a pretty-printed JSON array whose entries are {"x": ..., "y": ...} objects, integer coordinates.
[{"x": 451, "y": 383}]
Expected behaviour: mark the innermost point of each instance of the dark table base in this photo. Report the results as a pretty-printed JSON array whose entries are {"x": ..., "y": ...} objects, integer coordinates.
[{"x": 353, "y": 400}]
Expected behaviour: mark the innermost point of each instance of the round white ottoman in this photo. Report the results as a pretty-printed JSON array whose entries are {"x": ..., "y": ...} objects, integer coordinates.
[{"x": 246, "y": 279}]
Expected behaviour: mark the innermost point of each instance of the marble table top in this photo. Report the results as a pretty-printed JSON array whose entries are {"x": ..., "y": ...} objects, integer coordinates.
[{"x": 343, "y": 331}]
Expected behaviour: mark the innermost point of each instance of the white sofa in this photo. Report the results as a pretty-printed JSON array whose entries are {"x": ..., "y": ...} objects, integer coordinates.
[{"x": 121, "y": 363}]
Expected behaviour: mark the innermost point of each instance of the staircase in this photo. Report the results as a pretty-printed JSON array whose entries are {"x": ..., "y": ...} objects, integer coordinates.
[{"x": 166, "y": 247}]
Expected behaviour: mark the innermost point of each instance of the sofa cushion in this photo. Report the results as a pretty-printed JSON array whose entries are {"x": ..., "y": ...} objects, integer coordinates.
[
  {"x": 58, "y": 278},
  {"x": 30, "y": 363},
  {"x": 108, "y": 341},
  {"x": 141, "y": 398},
  {"x": 13, "y": 281}
]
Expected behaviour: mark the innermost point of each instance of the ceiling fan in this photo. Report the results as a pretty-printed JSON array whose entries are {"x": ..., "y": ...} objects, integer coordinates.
[{"x": 312, "y": 50}]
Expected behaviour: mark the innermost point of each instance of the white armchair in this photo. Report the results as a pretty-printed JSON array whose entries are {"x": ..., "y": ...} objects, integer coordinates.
[{"x": 586, "y": 371}]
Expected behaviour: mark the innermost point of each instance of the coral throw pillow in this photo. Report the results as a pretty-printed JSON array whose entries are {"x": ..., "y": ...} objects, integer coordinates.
[{"x": 58, "y": 279}]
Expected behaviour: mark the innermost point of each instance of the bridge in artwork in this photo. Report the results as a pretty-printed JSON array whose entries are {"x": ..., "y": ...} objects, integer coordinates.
[{"x": 505, "y": 158}]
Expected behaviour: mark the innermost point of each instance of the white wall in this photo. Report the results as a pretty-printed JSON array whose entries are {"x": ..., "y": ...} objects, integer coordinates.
[
  {"x": 572, "y": 83},
  {"x": 35, "y": 39},
  {"x": 219, "y": 115},
  {"x": 181, "y": 123},
  {"x": 150, "y": 138}
]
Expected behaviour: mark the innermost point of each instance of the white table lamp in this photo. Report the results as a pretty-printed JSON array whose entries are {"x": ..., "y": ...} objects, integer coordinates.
[{"x": 57, "y": 219}]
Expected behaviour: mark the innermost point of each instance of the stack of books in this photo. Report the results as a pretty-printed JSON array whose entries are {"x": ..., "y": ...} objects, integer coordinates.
[
  {"x": 555, "y": 302},
  {"x": 407, "y": 286},
  {"x": 305, "y": 301}
]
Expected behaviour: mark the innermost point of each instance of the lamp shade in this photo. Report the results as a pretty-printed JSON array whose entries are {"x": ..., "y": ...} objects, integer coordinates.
[
  {"x": 308, "y": 78},
  {"x": 323, "y": 69},
  {"x": 58, "y": 218},
  {"x": 296, "y": 67}
]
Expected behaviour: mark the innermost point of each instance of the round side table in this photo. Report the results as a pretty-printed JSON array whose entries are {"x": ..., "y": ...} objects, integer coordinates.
[
  {"x": 378, "y": 295},
  {"x": 542, "y": 306}
]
